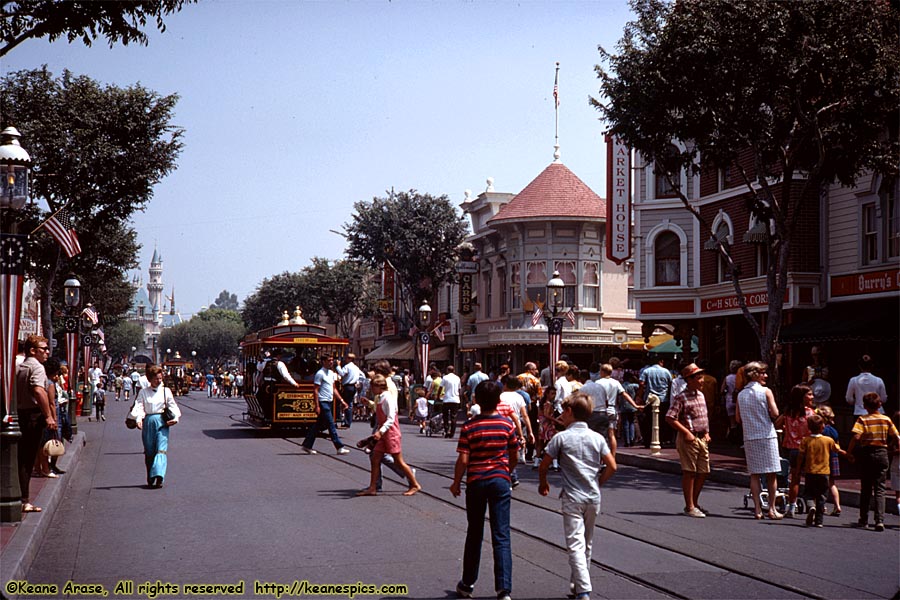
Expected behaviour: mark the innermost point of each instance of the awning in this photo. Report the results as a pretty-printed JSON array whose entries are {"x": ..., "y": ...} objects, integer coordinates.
[
  {"x": 673, "y": 346},
  {"x": 398, "y": 350},
  {"x": 404, "y": 350},
  {"x": 872, "y": 327},
  {"x": 655, "y": 340}
]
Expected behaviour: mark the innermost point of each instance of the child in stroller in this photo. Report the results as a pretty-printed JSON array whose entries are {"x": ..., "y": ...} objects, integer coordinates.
[{"x": 435, "y": 423}]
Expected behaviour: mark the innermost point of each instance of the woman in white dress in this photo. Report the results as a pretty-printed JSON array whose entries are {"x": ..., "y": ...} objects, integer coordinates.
[{"x": 755, "y": 411}]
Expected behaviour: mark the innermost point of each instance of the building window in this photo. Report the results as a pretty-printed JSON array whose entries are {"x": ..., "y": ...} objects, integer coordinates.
[
  {"x": 515, "y": 287},
  {"x": 566, "y": 270},
  {"x": 762, "y": 260},
  {"x": 141, "y": 311},
  {"x": 667, "y": 163},
  {"x": 668, "y": 259},
  {"x": 724, "y": 175},
  {"x": 536, "y": 281},
  {"x": 591, "y": 286},
  {"x": 892, "y": 219},
  {"x": 723, "y": 232},
  {"x": 869, "y": 234},
  {"x": 487, "y": 279},
  {"x": 504, "y": 290}
]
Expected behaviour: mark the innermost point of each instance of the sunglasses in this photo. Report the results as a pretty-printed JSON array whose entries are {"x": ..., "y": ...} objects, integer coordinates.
[{"x": 45, "y": 348}]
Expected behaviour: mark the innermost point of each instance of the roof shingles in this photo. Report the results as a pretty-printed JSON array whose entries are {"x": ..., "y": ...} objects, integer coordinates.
[{"x": 556, "y": 192}]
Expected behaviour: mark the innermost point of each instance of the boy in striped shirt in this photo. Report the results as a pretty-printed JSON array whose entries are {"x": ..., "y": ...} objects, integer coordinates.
[
  {"x": 487, "y": 453},
  {"x": 873, "y": 433}
]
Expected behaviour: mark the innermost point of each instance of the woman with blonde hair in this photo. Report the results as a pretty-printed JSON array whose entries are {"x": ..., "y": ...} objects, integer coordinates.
[
  {"x": 387, "y": 438},
  {"x": 755, "y": 410}
]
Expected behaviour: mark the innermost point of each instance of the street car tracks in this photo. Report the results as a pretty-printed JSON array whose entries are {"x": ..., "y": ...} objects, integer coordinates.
[{"x": 637, "y": 579}]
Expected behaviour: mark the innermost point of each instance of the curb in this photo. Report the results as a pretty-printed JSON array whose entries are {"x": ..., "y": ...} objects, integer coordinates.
[
  {"x": 22, "y": 549},
  {"x": 737, "y": 478}
]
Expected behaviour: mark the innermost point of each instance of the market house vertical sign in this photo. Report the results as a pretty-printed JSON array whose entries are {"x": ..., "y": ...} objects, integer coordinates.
[{"x": 618, "y": 200}]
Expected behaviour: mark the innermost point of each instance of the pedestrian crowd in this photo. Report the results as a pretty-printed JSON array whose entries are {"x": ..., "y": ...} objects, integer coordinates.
[{"x": 562, "y": 419}]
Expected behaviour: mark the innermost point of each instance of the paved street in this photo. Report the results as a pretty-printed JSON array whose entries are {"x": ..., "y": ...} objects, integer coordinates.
[{"x": 242, "y": 506}]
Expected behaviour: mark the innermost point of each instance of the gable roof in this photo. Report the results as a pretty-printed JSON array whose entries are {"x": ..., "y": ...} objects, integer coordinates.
[{"x": 556, "y": 193}]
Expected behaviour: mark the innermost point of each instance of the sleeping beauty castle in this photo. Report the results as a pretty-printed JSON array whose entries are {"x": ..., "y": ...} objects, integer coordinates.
[{"x": 152, "y": 310}]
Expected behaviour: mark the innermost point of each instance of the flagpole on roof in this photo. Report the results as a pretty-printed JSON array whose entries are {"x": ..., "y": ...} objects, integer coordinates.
[{"x": 556, "y": 108}]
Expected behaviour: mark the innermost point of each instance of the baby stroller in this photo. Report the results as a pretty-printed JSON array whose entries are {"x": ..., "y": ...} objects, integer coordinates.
[
  {"x": 435, "y": 424},
  {"x": 781, "y": 493}
]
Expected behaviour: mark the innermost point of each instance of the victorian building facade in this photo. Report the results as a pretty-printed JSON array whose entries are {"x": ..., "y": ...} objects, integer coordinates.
[
  {"x": 556, "y": 223},
  {"x": 843, "y": 278}
]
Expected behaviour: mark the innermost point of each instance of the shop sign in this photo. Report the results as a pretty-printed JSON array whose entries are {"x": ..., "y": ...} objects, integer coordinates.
[
  {"x": 389, "y": 326},
  {"x": 874, "y": 282},
  {"x": 719, "y": 303},
  {"x": 618, "y": 200},
  {"x": 467, "y": 266},
  {"x": 465, "y": 294}
]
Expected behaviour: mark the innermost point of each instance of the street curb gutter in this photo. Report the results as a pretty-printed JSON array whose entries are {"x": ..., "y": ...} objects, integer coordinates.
[
  {"x": 22, "y": 549},
  {"x": 738, "y": 478}
]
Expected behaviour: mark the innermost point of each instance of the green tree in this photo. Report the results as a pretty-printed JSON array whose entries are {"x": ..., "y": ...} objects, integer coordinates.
[
  {"x": 276, "y": 294},
  {"x": 99, "y": 149},
  {"x": 417, "y": 234},
  {"x": 121, "y": 337},
  {"x": 343, "y": 291},
  {"x": 226, "y": 300},
  {"x": 86, "y": 20},
  {"x": 809, "y": 89},
  {"x": 213, "y": 334}
]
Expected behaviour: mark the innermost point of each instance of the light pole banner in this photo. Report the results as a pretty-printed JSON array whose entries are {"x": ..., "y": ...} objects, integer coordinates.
[
  {"x": 12, "y": 280},
  {"x": 424, "y": 347},
  {"x": 618, "y": 200}
]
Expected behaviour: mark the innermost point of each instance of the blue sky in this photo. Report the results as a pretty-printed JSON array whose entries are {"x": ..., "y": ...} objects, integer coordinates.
[{"x": 293, "y": 111}]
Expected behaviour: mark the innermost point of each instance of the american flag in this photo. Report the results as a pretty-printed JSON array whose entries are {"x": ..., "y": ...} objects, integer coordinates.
[
  {"x": 536, "y": 315},
  {"x": 570, "y": 317},
  {"x": 556, "y": 87},
  {"x": 12, "y": 278},
  {"x": 91, "y": 314},
  {"x": 60, "y": 227},
  {"x": 439, "y": 331}
]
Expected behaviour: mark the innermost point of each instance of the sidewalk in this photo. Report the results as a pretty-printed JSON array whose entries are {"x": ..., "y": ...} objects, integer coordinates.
[
  {"x": 727, "y": 465},
  {"x": 19, "y": 542}
]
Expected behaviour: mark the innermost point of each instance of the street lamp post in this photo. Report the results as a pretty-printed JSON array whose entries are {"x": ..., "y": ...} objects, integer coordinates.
[
  {"x": 72, "y": 299},
  {"x": 555, "y": 290},
  {"x": 424, "y": 338},
  {"x": 88, "y": 320},
  {"x": 14, "y": 162}
]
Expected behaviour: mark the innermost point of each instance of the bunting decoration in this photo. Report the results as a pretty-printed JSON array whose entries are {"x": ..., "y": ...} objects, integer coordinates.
[
  {"x": 556, "y": 326},
  {"x": 12, "y": 279},
  {"x": 424, "y": 348}
]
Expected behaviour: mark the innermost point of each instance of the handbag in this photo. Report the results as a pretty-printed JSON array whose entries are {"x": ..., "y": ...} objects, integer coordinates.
[
  {"x": 53, "y": 447},
  {"x": 167, "y": 413}
]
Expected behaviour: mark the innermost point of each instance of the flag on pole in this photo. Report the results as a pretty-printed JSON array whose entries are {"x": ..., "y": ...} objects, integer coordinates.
[
  {"x": 556, "y": 87},
  {"x": 536, "y": 316},
  {"x": 439, "y": 331},
  {"x": 91, "y": 314},
  {"x": 570, "y": 316},
  {"x": 12, "y": 279},
  {"x": 60, "y": 227}
]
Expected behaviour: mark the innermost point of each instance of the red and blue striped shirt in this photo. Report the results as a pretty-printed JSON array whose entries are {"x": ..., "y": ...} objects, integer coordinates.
[{"x": 488, "y": 440}]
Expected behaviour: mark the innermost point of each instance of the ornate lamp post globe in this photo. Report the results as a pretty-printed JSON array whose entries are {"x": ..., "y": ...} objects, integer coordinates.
[
  {"x": 424, "y": 312},
  {"x": 72, "y": 288},
  {"x": 555, "y": 289},
  {"x": 15, "y": 162}
]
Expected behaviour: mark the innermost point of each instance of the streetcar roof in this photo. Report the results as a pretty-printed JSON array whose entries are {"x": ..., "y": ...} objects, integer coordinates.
[{"x": 292, "y": 335}]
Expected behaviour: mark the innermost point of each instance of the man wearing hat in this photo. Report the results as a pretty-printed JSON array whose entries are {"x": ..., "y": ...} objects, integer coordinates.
[{"x": 688, "y": 417}]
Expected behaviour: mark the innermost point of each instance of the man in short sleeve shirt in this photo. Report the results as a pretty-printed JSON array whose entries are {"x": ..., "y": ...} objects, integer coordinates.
[
  {"x": 688, "y": 416},
  {"x": 325, "y": 394}
]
